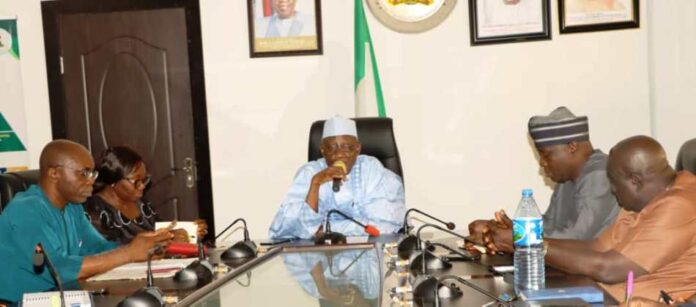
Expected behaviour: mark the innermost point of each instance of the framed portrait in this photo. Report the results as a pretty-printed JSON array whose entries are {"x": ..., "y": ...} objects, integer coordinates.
[
  {"x": 508, "y": 21},
  {"x": 597, "y": 15},
  {"x": 284, "y": 27}
]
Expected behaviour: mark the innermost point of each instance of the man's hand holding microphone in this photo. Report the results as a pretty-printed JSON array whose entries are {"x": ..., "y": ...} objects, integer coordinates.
[{"x": 336, "y": 173}]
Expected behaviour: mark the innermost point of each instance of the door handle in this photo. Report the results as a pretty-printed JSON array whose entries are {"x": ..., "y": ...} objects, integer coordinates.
[{"x": 190, "y": 171}]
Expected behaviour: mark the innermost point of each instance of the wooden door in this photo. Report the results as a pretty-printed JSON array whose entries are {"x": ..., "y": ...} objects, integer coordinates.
[{"x": 126, "y": 77}]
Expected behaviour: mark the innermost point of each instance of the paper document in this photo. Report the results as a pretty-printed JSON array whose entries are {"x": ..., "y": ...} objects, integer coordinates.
[
  {"x": 162, "y": 268},
  {"x": 190, "y": 227},
  {"x": 72, "y": 298}
]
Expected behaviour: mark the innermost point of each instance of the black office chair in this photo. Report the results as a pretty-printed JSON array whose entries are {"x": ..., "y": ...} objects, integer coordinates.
[
  {"x": 13, "y": 183},
  {"x": 376, "y": 134},
  {"x": 686, "y": 159}
]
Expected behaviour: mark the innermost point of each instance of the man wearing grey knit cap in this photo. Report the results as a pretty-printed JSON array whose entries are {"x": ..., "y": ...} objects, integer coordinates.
[{"x": 582, "y": 204}]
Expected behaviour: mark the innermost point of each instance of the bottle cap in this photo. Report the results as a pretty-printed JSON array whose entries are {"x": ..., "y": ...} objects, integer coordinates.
[{"x": 527, "y": 192}]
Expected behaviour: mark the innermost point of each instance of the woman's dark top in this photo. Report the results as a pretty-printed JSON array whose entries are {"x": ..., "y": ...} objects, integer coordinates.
[{"x": 115, "y": 226}]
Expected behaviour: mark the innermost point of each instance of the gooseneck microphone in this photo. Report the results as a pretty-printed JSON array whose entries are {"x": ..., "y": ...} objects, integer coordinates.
[
  {"x": 337, "y": 181},
  {"x": 425, "y": 256},
  {"x": 427, "y": 260},
  {"x": 426, "y": 286},
  {"x": 148, "y": 296},
  {"x": 438, "y": 291},
  {"x": 198, "y": 272},
  {"x": 369, "y": 229},
  {"x": 246, "y": 232},
  {"x": 337, "y": 237},
  {"x": 407, "y": 246},
  {"x": 39, "y": 259},
  {"x": 150, "y": 252},
  {"x": 241, "y": 251},
  {"x": 418, "y": 236},
  {"x": 405, "y": 229}
]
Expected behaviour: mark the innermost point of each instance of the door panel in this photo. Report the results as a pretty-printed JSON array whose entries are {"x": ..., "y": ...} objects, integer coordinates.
[{"x": 126, "y": 80}]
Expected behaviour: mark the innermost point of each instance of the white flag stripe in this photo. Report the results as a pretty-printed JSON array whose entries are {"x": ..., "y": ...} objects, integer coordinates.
[{"x": 366, "y": 100}]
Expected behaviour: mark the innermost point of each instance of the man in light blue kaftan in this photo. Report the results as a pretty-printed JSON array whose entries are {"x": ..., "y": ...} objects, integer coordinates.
[{"x": 370, "y": 193}]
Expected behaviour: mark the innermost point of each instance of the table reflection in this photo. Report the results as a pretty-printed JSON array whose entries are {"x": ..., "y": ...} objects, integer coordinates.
[{"x": 338, "y": 278}]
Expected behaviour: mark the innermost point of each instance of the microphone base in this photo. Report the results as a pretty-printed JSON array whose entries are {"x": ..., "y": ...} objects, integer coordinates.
[
  {"x": 239, "y": 253},
  {"x": 404, "y": 230},
  {"x": 195, "y": 274},
  {"x": 145, "y": 297},
  {"x": 409, "y": 245},
  {"x": 332, "y": 238},
  {"x": 424, "y": 289},
  {"x": 432, "y": 263}
]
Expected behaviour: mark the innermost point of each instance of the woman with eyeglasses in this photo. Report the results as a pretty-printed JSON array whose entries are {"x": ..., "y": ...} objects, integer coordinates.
[{"x": 117, "y": 209}]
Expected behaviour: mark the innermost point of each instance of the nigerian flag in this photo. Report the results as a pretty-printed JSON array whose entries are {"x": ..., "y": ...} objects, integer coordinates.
[{"x": 368, "y": 88}]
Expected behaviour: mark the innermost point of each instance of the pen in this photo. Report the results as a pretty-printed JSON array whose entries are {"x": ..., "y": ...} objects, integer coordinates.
[
  {"x": 629, "y": 287},
  {"x": 666, "y": 298}
]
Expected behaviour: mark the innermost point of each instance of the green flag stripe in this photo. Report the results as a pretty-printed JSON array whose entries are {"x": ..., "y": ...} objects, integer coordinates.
[
  {"x": 362, "y": 36},
  {"x": 11, "y": 26}
]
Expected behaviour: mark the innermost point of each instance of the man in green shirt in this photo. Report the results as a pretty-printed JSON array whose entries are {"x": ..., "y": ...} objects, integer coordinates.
[{"x": 50, "y": 213}]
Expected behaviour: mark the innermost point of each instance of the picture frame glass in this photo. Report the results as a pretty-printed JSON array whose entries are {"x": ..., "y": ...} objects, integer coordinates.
[
  {"x": 284, "y": 27},
  {"x": 591, "y": 12},
  {"x": 509, "y": 21},
  {"x": 503, "y": 18}
]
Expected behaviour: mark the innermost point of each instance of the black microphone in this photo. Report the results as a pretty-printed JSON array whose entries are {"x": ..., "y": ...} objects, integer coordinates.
[
  {"x": 337, "y": 237},
  {"x": 198, "y": 272},
  {"x": 148, "y": 296},
  {"x": 444, "y": 291},
  {"x": 405, "y": 229},
  {"x": 240, "y": 252},
  {"x": 337, "y": 181},
  {"x": 336, "y": 184},
  {"x": 407, "y": 246},
  {"x": 428, "y": 260},
  {"x": 432, "y": 262},
  {"x": 39, "y": 259}
]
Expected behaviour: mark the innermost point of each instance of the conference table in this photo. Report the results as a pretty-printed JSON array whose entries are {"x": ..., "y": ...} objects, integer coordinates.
[{"x": 363, "y": 272}]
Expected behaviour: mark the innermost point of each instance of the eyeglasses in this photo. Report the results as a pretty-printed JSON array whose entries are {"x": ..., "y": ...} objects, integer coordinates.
[
  {"x": 89, "y": 174},
  {"x": 139, "y": 182},
  {"x": 332, "y": 148}
]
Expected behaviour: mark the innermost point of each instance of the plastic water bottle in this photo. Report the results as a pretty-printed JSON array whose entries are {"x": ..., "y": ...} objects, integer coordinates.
[{"x": 527, "y": 235}]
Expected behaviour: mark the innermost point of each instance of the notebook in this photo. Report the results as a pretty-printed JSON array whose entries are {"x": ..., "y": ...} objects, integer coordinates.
[{"x": 587, "y": 294}]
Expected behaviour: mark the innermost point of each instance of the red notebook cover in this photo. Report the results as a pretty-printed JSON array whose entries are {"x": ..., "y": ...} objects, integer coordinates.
[{"x": 184, "y": 249}]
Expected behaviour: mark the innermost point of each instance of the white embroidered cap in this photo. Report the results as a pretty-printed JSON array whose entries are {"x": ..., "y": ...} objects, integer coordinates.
[{"x": 339, "y": 125}]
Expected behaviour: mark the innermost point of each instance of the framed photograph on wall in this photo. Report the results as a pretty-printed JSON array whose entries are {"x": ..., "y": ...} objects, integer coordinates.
[
  {"x": 508, "y": 21},
  {"x": 284, "y": 27},
  {"x": 597, "y": 15}
]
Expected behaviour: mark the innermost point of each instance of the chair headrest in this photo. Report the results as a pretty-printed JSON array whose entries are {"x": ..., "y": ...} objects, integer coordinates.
[
  {"x": 376, "y": 134},
  {"x": 13, "y": 183},
  {"x": 686, "y": 159}
]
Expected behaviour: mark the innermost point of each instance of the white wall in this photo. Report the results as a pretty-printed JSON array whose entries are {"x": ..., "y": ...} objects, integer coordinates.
[
  {"x": 460, "y": 111},
  {"x": 33, "y": 62},
  {"x": 673, "y": 72}
]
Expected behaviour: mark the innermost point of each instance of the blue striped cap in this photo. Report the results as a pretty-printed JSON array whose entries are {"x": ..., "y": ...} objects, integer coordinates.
[{"x": 560, "y": 127}]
